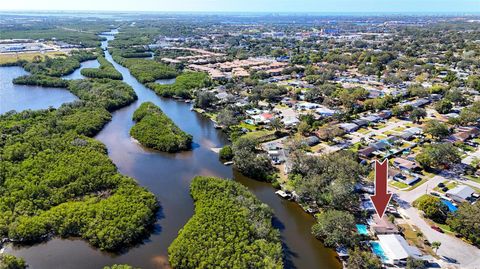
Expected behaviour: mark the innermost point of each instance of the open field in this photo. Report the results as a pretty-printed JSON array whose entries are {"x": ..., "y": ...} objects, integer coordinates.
[{"x": 7, "y": 58}]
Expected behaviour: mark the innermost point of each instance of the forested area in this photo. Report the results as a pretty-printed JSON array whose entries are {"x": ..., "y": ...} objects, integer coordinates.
[
  {"x": 329, "y": 179},
  {"x": 58, "y": 67},
  {"x": 155, "y": 130},
  {"x": 144, "y": 70},
  {"x": 106, "y": 70},
  {"x": 230, "y": 229},
  {"x": 55, "y": 180},
  {"x": 108, "y": 93},
  {"x": 134, "y": 51},
  {"x": 84, "y": 39},
  {"x": 41, "y": 80},
  {"x": 183, "y": 86},
  {"x": 8, "y": 261}
]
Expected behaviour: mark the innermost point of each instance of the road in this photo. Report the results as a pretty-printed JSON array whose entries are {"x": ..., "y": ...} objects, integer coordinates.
[
  {"x": 471, "y": 157},
  {"x": 466, "y": 255}
]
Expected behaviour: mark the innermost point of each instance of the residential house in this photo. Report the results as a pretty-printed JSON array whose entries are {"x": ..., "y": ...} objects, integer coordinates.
[
  {"x": 360, "y": 122},
  {"x": 409, "y": 133},
  {"x": 460, "y": 194},
  {"x": 396, "y": 248},
  {"x": 463, "y": 134},
  {"x": 348, "y": 127},
  {"x": 366, "y": 153},
  {"x": 405, "y": 164},
  {"x": 312, "y": 141},
  {"x": 382, "y": 225},
  {"x": 403, "y": 177}
]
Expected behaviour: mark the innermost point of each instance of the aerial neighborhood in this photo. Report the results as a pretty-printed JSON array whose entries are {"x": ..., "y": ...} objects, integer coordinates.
[{"x": 298, "y": 115}]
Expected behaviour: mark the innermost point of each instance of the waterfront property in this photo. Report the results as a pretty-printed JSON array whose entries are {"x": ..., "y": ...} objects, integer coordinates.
[{"x": 396, "y": 250}]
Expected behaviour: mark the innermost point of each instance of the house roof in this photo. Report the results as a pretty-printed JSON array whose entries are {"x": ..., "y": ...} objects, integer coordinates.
[
  {"x": 348, "y": 126},
  {"x": 383, "y": 225},
  {"x": 462, "y": 191},
  {"x": 366, "y": 151},
  {"x": 396, "y": 247},
  {"x": 403, "y": 163}
]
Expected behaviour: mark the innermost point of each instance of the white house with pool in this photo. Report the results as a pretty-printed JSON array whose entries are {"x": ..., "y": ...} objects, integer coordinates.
[{"x": 395, "y": 249}]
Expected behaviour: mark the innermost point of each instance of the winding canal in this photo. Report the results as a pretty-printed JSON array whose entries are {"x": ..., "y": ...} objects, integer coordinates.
[{"x": 168, "y": 176}]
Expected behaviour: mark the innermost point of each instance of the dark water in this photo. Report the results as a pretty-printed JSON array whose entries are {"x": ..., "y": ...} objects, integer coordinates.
[
  {"x": 19, "y": 97},
  {"x": 169, "y": 176},
  {"x": 86, "y": 64}
]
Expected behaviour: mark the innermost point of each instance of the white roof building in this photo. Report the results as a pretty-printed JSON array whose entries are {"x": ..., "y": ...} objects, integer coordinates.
[
  {"x": 396, "y": 248},
  {"x": 460, "y": 193}
]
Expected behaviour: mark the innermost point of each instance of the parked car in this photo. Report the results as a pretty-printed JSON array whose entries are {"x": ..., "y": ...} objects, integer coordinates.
[
  {"x": 436, "y": 228},
  {"x": 441, "y": 185}
]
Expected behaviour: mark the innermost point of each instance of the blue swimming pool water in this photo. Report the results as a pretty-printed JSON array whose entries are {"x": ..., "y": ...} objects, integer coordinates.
[
  {"x": 378, "y": 250},
  {"x": 450, "y": 206},
  {"x": 362, "y": 229}
]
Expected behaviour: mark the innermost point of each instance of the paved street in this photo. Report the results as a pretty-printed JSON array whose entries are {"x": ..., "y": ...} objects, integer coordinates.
[
  {"x": 466, "y": 255},
  {"x": 471, "y": 157}
]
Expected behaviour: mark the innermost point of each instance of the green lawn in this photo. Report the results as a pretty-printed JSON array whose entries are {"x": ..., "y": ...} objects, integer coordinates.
[
  {"x": 398, "y": 185},
  {"x": 473, "y": 178},
  {"x": 247, "y": 126},
  {"x": 418, "y": 183},
  {"x": 363, "y": 131},
  {"x": 261, "y": 136}
]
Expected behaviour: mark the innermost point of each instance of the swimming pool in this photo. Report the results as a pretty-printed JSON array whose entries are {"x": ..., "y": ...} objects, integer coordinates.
[
  {"x": 362, "y": 229},
  {"x": 378, "y": 250},
  {"x": 450, "y": 206}
]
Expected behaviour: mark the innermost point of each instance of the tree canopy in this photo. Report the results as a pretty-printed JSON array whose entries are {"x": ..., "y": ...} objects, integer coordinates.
[
  {"x": 230, "y": 229},
  {"x": 155, "y": 130},
  {"x": 58, "y": 181}
]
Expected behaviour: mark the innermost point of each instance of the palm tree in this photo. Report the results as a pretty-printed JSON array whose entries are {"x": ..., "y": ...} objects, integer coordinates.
[
  {"x": 436, "y": 245},
  {"x": 277, "y": 124}
]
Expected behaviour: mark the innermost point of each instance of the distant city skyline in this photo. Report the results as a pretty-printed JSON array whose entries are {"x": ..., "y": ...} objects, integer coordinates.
[{"x": 312, "y": 6}]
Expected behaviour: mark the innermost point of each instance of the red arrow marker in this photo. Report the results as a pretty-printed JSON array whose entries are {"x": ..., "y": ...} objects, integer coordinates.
[{"x": 381, "y": 198}]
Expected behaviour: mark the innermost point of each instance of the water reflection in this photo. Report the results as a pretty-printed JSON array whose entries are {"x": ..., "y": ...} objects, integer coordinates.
[
  {"x": 20, "y": 97},
  {"x": 77, "y": 73},
  {"x": 168, "y": 176}
]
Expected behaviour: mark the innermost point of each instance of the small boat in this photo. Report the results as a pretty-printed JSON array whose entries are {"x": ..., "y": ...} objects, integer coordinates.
[
  {"x": 188, "y": 101},
  {"x": 216, "y": 126},
  {"x": 228, "y": 163},
  {"x": 283, "y": 194}
]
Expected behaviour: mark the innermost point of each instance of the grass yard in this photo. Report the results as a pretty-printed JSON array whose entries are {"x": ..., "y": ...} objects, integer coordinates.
[
  {"x": 414, "y": 238},
  {"x": 473, "y": 178},
  {"x": 449, "y": 184},
  {"x": 418, "y": 183},
  {"x": 388, "y": 133},
  {"x": 379, "y": 137},
  {"x": 363, "y": 131},
  {"x": 12, "y": 58},
  {"x": 317, "y": 148},
  {"x": 261, "y": 136},
  {"x": 398, "y": 185},
  {"x": 247, "y": 126}
]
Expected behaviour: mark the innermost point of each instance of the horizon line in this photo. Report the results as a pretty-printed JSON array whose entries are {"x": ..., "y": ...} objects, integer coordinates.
[{"x": 243, "y": 12}]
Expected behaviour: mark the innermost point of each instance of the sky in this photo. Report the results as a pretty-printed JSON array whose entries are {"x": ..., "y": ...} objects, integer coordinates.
[{"x": 403, "y": 6}]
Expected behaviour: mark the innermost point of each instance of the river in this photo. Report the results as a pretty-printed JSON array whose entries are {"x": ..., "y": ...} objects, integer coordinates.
[{"x": 168, "y": 176}]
